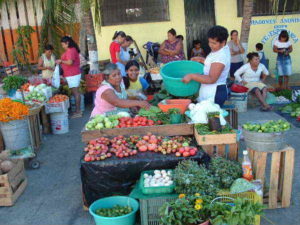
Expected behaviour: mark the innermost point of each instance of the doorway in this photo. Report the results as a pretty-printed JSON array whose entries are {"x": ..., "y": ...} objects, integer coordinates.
[{"x": 199, "y": 18}]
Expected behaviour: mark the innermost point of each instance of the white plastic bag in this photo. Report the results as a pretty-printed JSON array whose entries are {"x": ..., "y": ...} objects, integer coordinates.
[{"x": 56, "y": 77}]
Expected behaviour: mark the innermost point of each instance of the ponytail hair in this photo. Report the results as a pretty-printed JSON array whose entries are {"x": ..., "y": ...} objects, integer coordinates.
[
  {"x": 129, "y": 64},
  {"x": 119, "y": 33},
  {"x": 71, "y": 43}
]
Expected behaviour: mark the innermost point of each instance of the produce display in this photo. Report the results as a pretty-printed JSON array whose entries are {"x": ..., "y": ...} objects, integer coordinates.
[
  {"x": 103, "y": 148},
  {"x": 115, "y": 211},
  {"x": 155, "y": 114},
  {"x": 13, "y": 82},
  {"x": 203, "y": 129},
  {"x": 293, "y": 109},
  {"x": 25, "y": 87},
  {"x": 137, "y": 121},
  {"x": 100, "y": 122},
  {"x": 35, "y": 96},
  {"x": 160, "y": 178},
  {"x": 58, "y": 98},
  {"x": 284, "y": 93},
  {"x": 12, "y": 110},
  {"x": 268, "y": 127}
]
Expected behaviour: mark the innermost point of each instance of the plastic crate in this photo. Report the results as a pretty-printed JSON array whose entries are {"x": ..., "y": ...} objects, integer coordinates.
[
  {"x": 155, "y": 190},
  {"x": 93, "y": 81}
]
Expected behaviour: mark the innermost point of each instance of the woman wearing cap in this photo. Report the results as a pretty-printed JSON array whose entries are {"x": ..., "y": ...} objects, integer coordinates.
[
  {"x": 216, "y": 68},
  {"x": 70, "y": 64},
  {"x": 111, "y": 95}
]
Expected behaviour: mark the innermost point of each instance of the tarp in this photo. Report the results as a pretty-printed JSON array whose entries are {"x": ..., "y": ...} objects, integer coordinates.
[{"x": 117, "y": 176}]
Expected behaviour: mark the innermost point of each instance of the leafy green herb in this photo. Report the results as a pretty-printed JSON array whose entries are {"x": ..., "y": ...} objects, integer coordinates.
[
  {"x": 203, "y": 129},
  {"x": 174, "y": 111},
  {"x": 149, "y": 112},
  {"x": 285, "y": 93},
  {"x": 115, "y": 211},
  {"x": 213, "y": 114},
  {"x": 13, "y": 82}
]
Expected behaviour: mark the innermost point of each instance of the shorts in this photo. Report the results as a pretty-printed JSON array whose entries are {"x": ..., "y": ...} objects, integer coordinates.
[
  {"x": 284, "y": 65},
  {"x": 221, "y": 95},
  {"x": 234, "y": 67},
  {"x": 74, "y": 81}
]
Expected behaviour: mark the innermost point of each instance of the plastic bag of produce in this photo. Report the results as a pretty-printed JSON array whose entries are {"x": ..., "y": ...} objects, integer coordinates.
[
  {"x": 56, "y": 77},
  {"x": 241, "y": 185}
]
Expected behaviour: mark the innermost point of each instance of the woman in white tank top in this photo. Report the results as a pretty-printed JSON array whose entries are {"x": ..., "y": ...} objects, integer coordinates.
[{"x": 47, "y": 62}]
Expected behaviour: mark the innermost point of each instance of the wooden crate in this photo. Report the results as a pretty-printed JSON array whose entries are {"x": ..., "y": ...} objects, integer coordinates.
[
  {"x": 215, "y": 139},
  {"x": 1, "y": 143},
  {"x": 163, "y": 130},
  {"x": 229, "y": 151},
  {"x": 12, "y": 184},
  {"x": 281, "y": 176},
  {"x": 35, "y": 131},
  {"x": 232, "y": 117}
]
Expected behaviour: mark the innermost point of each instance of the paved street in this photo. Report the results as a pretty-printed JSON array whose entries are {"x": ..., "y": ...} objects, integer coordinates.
[{"x": 53, "y": 194}]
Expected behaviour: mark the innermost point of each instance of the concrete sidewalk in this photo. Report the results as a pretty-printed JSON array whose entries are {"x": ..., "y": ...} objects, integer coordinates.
[{"x": 53, "y": 194}]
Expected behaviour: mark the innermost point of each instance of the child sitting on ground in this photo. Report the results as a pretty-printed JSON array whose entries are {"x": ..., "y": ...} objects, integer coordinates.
[
  {"x": 135, "y": 86},
  {"x": 197, "y": 50},
  {"x": 261, "y": 53}
]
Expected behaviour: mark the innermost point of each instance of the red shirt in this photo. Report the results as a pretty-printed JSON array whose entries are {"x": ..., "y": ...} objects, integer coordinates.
[
  {"x": 74, "y": 69},
  {"x": 114, "y": 48}
]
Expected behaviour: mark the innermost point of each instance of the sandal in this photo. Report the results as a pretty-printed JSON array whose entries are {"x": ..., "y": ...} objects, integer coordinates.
[
  {"x": 76, "y": 115},
  {"x": 263, "y": 109}
]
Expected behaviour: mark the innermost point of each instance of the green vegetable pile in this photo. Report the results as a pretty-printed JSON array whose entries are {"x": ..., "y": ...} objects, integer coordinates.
[
  {"x": 203, "y": 129},
  {"x": 285, "y": 93},
  {"x": 268, "y": 127},
  {"x": 101, "y": 121},
  {"x": 155, "y": 114},
  {"x": 293, "y": 109},
  {"x": 115, "y": 211},
  {"x": 13, "y": 82},
  {"x": 35, "y": 96}
]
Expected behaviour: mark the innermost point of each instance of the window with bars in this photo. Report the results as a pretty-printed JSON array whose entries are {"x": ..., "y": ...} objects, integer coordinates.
[
  {"x": 116, "y": 12},
  {"x": 266, "y": 7}
]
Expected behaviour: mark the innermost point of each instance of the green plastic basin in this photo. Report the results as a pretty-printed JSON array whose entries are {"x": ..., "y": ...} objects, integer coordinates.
[
  {"x": 110, "y": 202},
  {"x": 172, "y": 74}
]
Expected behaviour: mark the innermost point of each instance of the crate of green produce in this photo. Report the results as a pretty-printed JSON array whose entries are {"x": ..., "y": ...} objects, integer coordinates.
[{"x": 266, "y": 135}]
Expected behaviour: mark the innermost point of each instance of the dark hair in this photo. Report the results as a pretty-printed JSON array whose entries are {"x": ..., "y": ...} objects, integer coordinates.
[
  {"x": 233, "y": 31},
  {"x": 127, "y": 67},
  {"x": 284, "y": 34},
  {"x": 129, "y": 38},
  {"x": 195, "y": 42},
  {"x": 218, "y": 32},
  {"x": 48, "y": 47},
  {"x": 251, "y": 55},
  {"x": 71, "y": 42},
  {"x": 259, "y": 46},
  {"x": 172, "y": 31},
  {"x": 180, "y": 37},
  {"x": 119, "y": 33}
]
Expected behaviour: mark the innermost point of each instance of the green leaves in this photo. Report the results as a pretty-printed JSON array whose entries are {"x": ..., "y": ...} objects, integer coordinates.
[{"x": 13, "y": 82}]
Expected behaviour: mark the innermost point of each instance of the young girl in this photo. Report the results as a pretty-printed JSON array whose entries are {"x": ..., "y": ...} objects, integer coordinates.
[
  {"x": 115, "y": 46},
  {"x": 134, "y": 85},
  {"x": 197, "y": 50},
  {"x": 283, "y": 47}
]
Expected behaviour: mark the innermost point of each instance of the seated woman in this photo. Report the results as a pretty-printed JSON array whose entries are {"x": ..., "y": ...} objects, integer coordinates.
[
  {"x": 171, "y": 49},
  {"x": 47, "y": 62},
  {"x": 111, "y": 94},
  {"x": 252, "y": 76},
  {"x": 134, "y": 85}
]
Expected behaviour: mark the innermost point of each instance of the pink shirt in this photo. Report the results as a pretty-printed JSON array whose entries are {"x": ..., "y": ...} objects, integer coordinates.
[
  {"x": 74, "y": 69},
  {"x": 102, "y": 106}
]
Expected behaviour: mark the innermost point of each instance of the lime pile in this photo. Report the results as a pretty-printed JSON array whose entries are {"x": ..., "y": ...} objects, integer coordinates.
[
  {"x": 268, "y": 127},
  {"x": 115, "y": 211}
]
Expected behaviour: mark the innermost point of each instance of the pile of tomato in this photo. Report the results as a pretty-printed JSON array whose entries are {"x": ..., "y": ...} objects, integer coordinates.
[
  {"x": 58, "y": 98},
  {"x": 137, "y": 121}
]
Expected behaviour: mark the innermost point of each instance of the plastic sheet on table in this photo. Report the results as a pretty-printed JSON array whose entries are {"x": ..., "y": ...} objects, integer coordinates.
[{"x": 24, "y": 153}]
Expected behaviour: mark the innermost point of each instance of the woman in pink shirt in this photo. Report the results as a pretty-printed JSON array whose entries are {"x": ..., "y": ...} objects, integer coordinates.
[
  {"x": 111, "y": 95},
  {"x": 70, "y": 64}
]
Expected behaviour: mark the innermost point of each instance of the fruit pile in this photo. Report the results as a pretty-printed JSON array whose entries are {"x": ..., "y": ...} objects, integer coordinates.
[
  {"x": 137, "y": 121},
  {"x": 115, "y": 211},
  {"x": 121, "y": 146},
  {"x": 268, "y": 127},
  {"x": 58, "y": 98}
]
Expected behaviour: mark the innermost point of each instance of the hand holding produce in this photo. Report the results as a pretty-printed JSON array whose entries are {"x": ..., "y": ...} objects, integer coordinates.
[
  {"x": 160, "y": 178},
  {"x": 268, "y": 127},
  {"x": 115, "y": 211}
]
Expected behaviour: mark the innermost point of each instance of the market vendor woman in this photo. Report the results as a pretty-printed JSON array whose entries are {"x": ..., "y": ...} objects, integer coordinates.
[
  {"x": 111, "y": 95},
  {"x": 216, "y": 68}
]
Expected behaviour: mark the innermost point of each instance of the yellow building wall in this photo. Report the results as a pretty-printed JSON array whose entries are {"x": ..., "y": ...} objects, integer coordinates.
[
  {"x": 144, "y": 32},
  {"x": 263, "y": 29}
]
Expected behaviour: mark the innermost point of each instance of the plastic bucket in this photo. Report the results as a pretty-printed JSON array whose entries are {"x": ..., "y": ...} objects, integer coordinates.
[
  {"x": 15, "y": 134},
  {"x": 12, "y": 92},
  {"x": 181, "y": 104},
  {"x": 110, "y": 202},
  {"x": 173, "y": 73},
  {"x": 73, "y": 105},
  {"x": 240, "y": 101},
  {"x": 59, "y": 123},
  {"x": 175, "y": 118}
]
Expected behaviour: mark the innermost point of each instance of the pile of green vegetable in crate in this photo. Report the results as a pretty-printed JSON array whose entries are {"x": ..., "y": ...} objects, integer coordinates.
[{"x": 268, "y": 127}]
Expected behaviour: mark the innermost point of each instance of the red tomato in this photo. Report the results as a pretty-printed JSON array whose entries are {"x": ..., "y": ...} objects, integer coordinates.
[{"x": 186, "y": 154}]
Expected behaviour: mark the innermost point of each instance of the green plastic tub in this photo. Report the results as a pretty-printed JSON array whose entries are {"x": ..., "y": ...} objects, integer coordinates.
[
  {"x": 173, "y": 73},
  {"x": 110, "y": 202}
]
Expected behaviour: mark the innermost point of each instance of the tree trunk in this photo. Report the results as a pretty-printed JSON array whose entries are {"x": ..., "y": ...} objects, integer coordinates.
[
  {"x": 246, "y": 23},
  {"x": 87, "y": 23}
]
